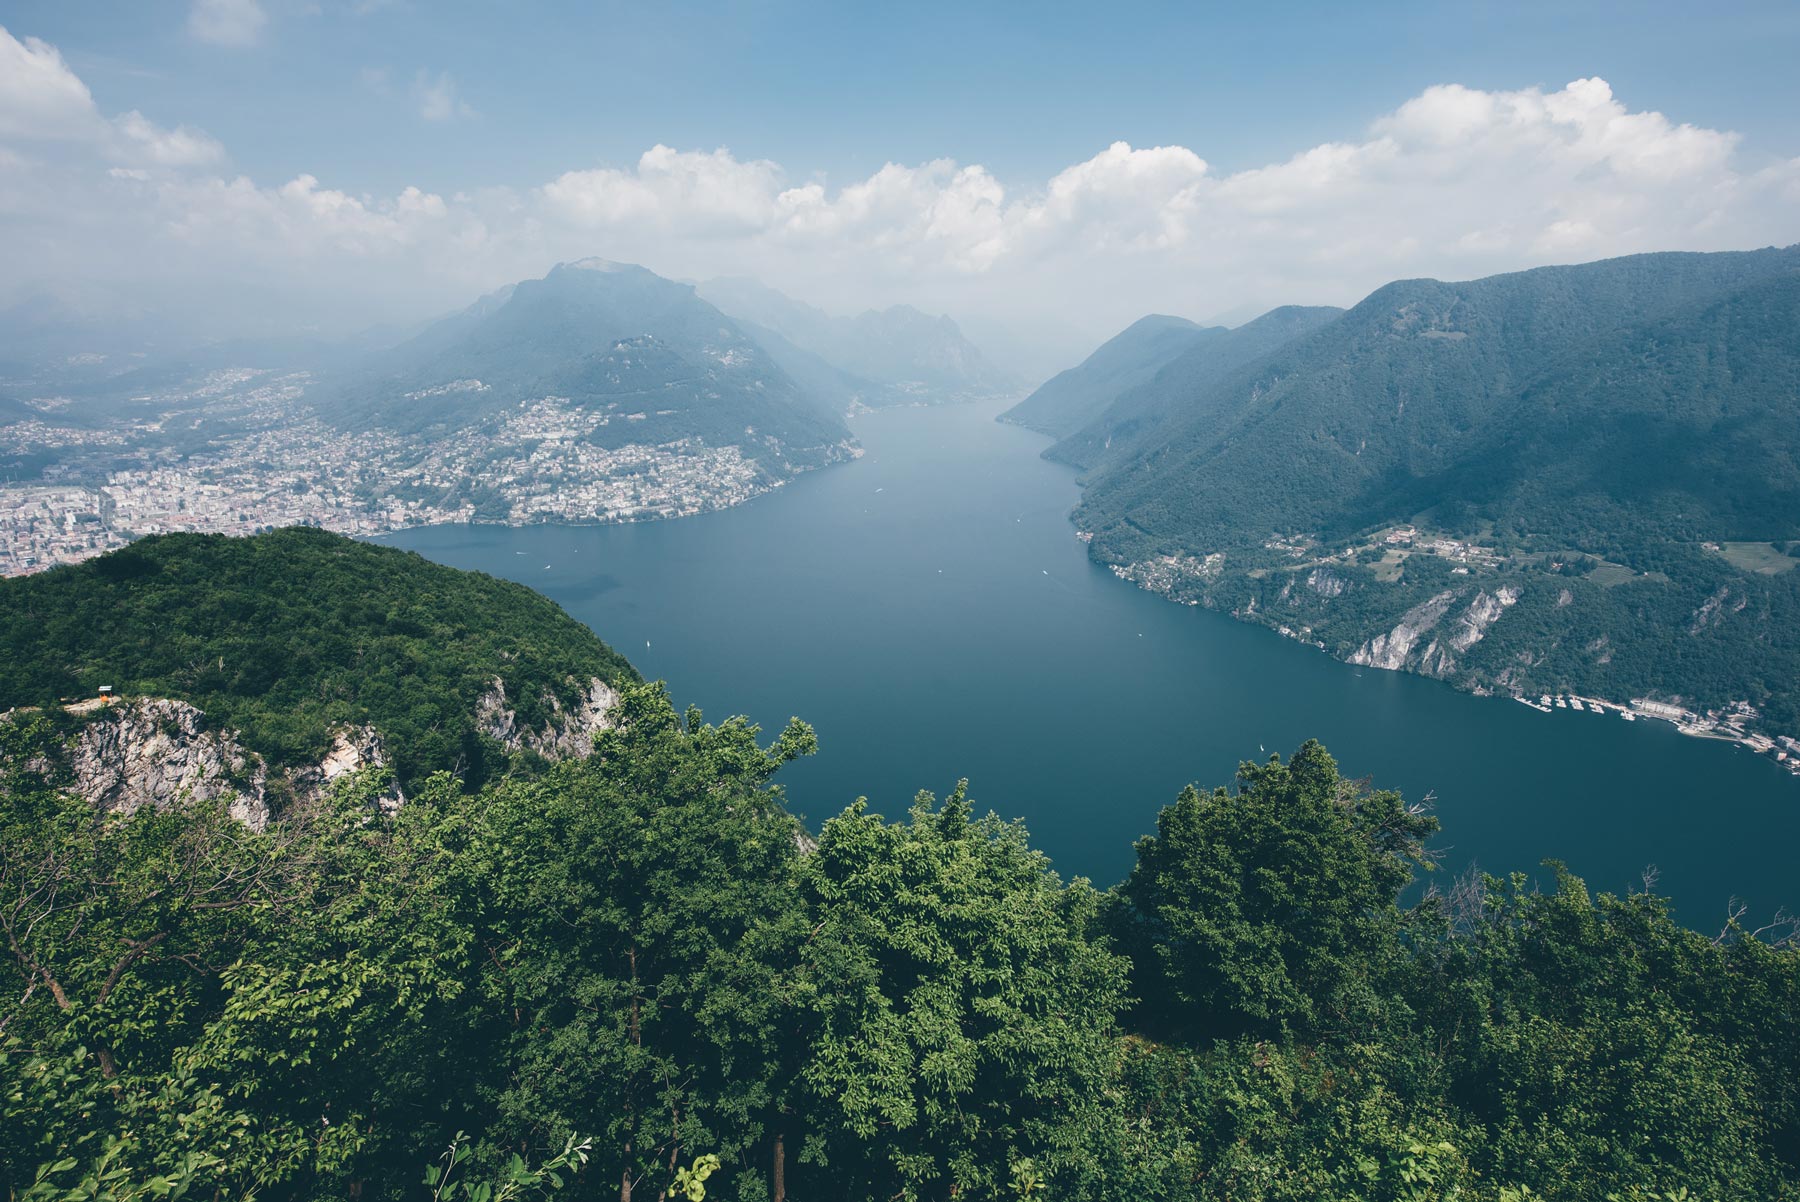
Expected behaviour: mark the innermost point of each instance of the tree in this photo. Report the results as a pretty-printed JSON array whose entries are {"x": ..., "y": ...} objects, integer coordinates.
[
  {"x": 964, "y": 1011},
  {"x": 643, "y": 927},
  {"x": 1270, "y": 908}
]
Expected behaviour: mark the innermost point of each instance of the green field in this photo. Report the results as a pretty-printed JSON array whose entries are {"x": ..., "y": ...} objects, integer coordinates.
[{"x": 1765, "y": 558}]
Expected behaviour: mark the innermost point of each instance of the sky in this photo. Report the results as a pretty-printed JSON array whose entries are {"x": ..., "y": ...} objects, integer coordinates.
[{"x": 1043, "y": 172}]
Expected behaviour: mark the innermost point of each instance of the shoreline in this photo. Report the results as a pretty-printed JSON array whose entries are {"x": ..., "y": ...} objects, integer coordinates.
[
  {"x": 1782, "y": 750},
  {"x": 377, "y": 524}
]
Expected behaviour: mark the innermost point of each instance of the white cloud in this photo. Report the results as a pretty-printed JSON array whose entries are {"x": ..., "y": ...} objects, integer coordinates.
[
  {"x": 230, "y": 23},
  {"x": 436, "y": 97},
  {"x": 40, "y": 98},
  {"x": 1454, "y": 182},
  {"x": 178, "y": 147},
  {"x": 45, "y": 109},
  {"x": 685, "y": 192}
]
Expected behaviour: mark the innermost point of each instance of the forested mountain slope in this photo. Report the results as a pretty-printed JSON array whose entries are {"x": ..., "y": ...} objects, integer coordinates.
[
  {"x": 1575, "y": 478},
  {"x": 1145, "y": 414},
  {"x": 1072, "y": 398},
  {"x": 610, "y": 338},
  {"x": 1416, "y": 380}
]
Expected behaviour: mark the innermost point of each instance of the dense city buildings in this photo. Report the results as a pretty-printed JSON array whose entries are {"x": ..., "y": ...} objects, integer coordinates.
[{"x": 239, "y": 452}]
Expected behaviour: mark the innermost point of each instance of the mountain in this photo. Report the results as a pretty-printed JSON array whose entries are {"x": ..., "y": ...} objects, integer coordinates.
[
  {"x": 645, "y": 354},
  {"x": 1072, "y": 398},
  {"x": 291, "y": 639},
  {"x": 1418, "y": 378},
  {"x": 1594, "y": 470},
  {"x": 839, "y": 390},
  {"x": 915, "y": 355},
  {"x": 1141, "y": 415}
]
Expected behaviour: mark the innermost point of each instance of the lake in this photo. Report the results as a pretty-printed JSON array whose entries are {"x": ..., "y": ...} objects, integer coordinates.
[{"x": 929, "y": 610}]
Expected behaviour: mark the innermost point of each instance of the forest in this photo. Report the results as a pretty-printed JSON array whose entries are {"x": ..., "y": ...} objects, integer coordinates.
[{"x": 635, "y": 975}]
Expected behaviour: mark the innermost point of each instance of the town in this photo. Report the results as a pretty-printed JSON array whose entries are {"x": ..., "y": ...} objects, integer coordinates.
[{"x": 239, "y": 453}]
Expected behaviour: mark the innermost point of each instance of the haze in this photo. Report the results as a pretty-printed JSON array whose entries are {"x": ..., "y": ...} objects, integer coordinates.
[{"x": 247, "y": 166}]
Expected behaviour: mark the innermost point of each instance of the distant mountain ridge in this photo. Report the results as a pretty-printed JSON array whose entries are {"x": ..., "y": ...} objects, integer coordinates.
[
  {"x": 1141, "y": 412},
  {"x": 1072, "y": 398},
  {"x": 608, "y": 337},
  {"x": 1415, "y": 378},
  {"x": 906, "y": 355}
]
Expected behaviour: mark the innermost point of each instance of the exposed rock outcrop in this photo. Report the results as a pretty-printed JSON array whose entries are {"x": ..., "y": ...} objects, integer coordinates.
[
  {"x": 160, "y": 752},
  {"x": 1712, "y": 610},
  {"x": 1400, "y": 648},
  {"x": 1394, "y": 649},
  {"x": 1325, "y": 582},
  {"x": 353, "y": 748},
  {"x": 568, "y": 734},
  {"x": 1472, "y": 624},
  {"x": 157, "y": 752}
]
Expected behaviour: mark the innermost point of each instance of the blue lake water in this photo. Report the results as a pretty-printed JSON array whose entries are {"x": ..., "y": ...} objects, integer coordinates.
[{"x": 928, "y": 609}]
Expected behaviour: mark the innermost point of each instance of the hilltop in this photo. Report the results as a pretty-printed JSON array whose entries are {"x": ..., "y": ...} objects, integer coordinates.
[
  {"x": 285, "y": 639},
  {"x": 1140, "y": 409},
  {"x": 1072, "y": 398}
]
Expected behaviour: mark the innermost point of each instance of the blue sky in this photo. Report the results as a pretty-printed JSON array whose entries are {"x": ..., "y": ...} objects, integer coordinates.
[
  {"x": 492, "y": 102},
  {"x": 840, "y": 88}
]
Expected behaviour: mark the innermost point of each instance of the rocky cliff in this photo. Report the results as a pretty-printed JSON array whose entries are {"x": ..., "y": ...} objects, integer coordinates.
[
  {"x": 159, "y": 752},
  {"x": 1422, "y": 642},
  {"x": 156, "y": 752},
  {"x": 569, "y": 733}
]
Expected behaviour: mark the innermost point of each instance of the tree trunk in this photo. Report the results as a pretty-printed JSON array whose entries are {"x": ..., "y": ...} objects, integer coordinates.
[{"x": 780, "y": 1175}]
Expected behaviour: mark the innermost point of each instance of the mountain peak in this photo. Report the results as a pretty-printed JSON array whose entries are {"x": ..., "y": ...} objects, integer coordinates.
[{"x": 596, "y": 263}]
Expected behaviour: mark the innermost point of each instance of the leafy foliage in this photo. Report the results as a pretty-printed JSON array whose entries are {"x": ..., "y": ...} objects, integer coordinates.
[
  {"x": 286, "y": 635},
  {"x": 635, "y": 974},
  {"x": 1269, "y": 909},
  {"x": 964, "y": 1014}
]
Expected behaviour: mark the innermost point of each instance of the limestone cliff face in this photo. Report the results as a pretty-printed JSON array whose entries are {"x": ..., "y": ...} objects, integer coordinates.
[
  {"x": 1472, "y": 624},
  {"x": 158, "y": 752},
  {"x": 1325, "y": 582},
  {"x": 353, "y": 748},
  {"x": 1394, "y": 650},
  {"x": 1422, "y": 642},
  {"x": 569, "y": 734}
]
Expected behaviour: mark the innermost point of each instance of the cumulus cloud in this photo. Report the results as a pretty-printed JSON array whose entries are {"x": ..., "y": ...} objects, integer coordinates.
[
  {"x": 45, "y": 109},
  {"x": 41, "y": 100},
  {"x": 230, "y": 23},
  {"x": 1454, "y": 182}
]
